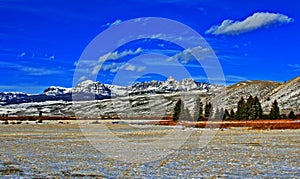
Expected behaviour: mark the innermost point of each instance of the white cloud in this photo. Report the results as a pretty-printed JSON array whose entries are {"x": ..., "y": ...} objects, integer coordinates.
[
  {"x": 229, "y": 79},
  {"x": 96, "y": 69},
  {"x": 83, "y": 78},
  {"x": 116, "y": 55},
  {"x": 109, "y": 24},
  {"x": 295, "y": 66},
  {"x": 256, "y": 21},
  {"x": 130, "y": 67},
  {"x": 39, "y": 71},
  {"x": 186, "y": 55},
  {"x": 114, "y": 67},
  {"x": 22, "y": 54},
  {"x": 34, "y": 71},
  {"x": 140, "y": 69}
]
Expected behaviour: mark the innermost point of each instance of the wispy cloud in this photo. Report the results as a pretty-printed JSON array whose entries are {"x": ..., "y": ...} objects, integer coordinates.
[
  {"x": 52, "y": 57},
  {"x": 253, "y": 22},
  {"x": 83, "y": 78},
  {"x": 113, "y": 56},
  {"x": 296, "y": 67},
  {"x": 229, "y": 79},
  {"x": 39, "y": 71},
  {"x": 33, "y": 71},
  {"x": 186, "y": 55},
  {"x": 114, "y": 67},
  {"x": 109, "y": 24},
  {"x": 24, "y": 88},
  {"x": 22, "y": 54},
  {"x": 31, "y": 55},
  {"x": 116, "y": 55}
]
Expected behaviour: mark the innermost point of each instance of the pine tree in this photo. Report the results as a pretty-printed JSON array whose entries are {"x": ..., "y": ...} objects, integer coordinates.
[
  {"x": 198, "y": 110},
  {"x": 241, "y": 109},
  {"x": 178, "y": 109},
  {"x": 226, "y": 115},
  {"x": 292, "y": 115},
  {"x": 274, "y": 113},
  {"x": 250, "y": 111},
  {"x": 257, "y": 108},
  {"x": 232, "y": 115},
  {"x": 207, "y": 110}
]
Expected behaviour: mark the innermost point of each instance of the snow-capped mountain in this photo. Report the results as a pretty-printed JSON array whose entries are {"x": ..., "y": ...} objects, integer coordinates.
[
  {"x": 170, "y": 85},
  {"x": 89, "y": 90},
  {"x": 56, "y": 90},
  {"x": 5, "y": 97}
]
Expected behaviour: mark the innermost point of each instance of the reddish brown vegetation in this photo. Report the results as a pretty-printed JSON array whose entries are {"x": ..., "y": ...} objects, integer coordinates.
[{"x": 255, "y": 124}]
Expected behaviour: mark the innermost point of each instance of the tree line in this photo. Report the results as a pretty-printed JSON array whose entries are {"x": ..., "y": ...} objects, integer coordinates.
[{"x": 249, "y": 109}]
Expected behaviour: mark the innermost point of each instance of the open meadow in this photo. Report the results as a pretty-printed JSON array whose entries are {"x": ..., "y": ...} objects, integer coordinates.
[{"x": 62, "y": 150}]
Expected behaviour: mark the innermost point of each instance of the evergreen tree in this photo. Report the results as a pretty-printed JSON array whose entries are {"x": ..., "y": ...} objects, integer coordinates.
[
  {"x": 198, "y": 110},
  {"x": 254, "y": 109},
  {"x": 292, "y": 115},
  {"x": 178, "y": 109},
  {"x": 207, "y": 110},
  {"x": 250, "y": 111},
  {"x": 257, "y": 108},
  {"x": 241, "y": 109},
  {"x": 232, "y": 115},
  {"x": 274, "y": 113},
  {"x": 226, "y": 115}
]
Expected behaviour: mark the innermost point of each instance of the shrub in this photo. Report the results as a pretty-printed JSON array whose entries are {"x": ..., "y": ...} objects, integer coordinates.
[{"x": 292, "y": 115}]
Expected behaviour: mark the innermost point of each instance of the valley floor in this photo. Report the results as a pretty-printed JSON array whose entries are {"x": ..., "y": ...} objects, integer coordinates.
[{"x": 66, "y": 150}]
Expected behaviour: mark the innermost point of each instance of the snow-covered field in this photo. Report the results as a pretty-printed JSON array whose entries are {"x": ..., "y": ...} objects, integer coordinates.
[{"x": 57, "y": 150}]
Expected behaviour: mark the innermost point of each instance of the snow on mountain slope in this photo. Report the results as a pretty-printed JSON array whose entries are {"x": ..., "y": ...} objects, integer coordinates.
[
  {"x": 170, "y": 85},
  {"x": 137, "y": 105},
  {"x": 9, "y": 95},
  {"x": 287, "y": 96},
  {"x": 89, "y": 90},
  {"x": 117, "y": 90},
  {"x": 89, "y": 86},
  {"x": 244, "y": 89},
  {"x": 56, "y": 90}
]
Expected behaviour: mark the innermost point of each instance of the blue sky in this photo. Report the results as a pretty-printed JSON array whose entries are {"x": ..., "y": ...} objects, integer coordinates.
[{"x": 41, "y": 42}]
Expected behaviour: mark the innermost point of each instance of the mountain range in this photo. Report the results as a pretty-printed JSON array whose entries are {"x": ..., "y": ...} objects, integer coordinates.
[
  {"x": 89, "y": 90},
  {"x": 146, "y": 98}
]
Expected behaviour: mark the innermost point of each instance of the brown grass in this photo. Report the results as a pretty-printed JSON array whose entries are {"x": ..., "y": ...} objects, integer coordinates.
[{"x": 254, "y": 124}]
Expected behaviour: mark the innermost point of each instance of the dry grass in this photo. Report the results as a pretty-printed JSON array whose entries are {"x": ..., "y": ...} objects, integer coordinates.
[
  {"x": 252, "y": 124},
  {"x": 255, "y": 124}
]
